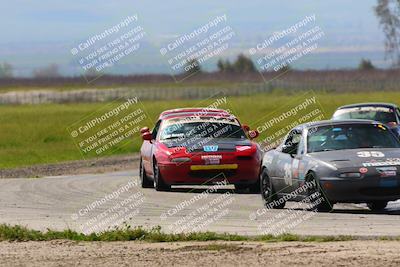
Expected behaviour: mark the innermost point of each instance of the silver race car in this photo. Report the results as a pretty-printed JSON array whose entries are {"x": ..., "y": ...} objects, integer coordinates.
[
  {"x": 386, "y": 113},
  {"x": 353, "y": 161}
]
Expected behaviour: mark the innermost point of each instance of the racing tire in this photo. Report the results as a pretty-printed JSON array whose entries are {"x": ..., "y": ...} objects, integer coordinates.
[
  {"x": 377, "y": 205},
  {"x": 315, "y": 193},
  {"x": 268, "y": 193},
  {"x": 144, "y": 180},
  {"x": 158, "y": 182}
]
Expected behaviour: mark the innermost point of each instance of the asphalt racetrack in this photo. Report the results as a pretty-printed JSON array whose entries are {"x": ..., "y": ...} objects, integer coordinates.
[{"x": 96, "y": 202}]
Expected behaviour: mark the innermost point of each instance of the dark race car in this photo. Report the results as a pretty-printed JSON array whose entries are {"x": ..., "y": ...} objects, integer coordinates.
[
  {"x": 353, "y": 161},
  {"x": 384, "y": 112},
  {"x": 195, "y": 146}
]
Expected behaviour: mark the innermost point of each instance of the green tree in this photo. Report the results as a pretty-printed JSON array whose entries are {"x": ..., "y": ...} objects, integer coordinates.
[
  {"x": 50, "y": 71},
  {"x": 224, "y": 66},
  {"x": 366, "y": 64},
  {"x": 92, "y": 72},
  {"x": 243, "y": 64},
  {"x": 220, "y": 65},
  {"x": 285, "y": 69},
  {"x": 6, "y": 70},
  {"x": 192, "y": 66}
]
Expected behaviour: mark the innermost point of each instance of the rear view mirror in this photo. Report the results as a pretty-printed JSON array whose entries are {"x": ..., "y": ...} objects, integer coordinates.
[
  {"x": 147, "y": 136},
  {"x": 289, "y": 149},
  {"x": 245, "y": 128},
  {"x": 144, "y": 129}
]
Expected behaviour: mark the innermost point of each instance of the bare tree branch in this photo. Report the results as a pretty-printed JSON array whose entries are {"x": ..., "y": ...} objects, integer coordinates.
[{"x": 388, "y": 12}]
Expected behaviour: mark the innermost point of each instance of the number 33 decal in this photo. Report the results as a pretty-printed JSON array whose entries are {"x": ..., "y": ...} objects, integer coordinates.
[
  {"x": 370, "y": 154},
  {"x": 288, "y": 174}
]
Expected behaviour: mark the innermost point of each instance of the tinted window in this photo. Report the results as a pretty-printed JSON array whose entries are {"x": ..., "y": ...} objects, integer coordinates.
[
  {"x": 382, "y": 114},
  {"x": 155, "y": 130},
  {"x": 337, "y": 137},
  {"x": 292, "y": 141},
  {"x": 201, "y": 129}
]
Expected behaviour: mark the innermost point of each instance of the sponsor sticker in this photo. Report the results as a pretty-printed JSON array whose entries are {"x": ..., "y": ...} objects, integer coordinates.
[
  {"x": 211, "y": 159},
  {"x": 387, "y": 171},
  {"x": 387, "y": 162},
  {"x": 213, "y": 148}
]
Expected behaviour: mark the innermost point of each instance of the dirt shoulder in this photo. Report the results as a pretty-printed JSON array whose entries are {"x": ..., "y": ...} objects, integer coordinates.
[
  {"x": 67, "y": 253},
  {"x": 99, "y": 165}
]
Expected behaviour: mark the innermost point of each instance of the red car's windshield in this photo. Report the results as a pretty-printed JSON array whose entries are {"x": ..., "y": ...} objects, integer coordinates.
[{"x": 201, "y": 128}]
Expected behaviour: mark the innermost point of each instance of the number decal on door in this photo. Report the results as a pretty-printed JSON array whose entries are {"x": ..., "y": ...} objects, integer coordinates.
[{"x": 288, "y": 174}]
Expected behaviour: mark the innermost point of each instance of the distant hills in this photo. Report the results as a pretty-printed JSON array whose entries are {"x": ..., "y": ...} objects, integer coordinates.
[{"x": 36, "y": 34}]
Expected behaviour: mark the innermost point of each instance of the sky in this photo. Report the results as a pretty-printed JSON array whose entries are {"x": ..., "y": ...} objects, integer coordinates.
[{"x": 35, "y": 34}]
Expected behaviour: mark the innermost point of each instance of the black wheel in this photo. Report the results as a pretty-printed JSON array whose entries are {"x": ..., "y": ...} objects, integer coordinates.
[
  {"x": 268, "y": 193},
  {"x": 316, "y": 195},
  {"x": 377, "y": 205},
  {"x": 144, "y": 180},
  {"x": 159, "y": 183}
]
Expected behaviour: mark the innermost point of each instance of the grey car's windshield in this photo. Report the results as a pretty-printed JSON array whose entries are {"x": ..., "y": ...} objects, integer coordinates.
[
  {"x": 352, "y": 136},
  {"x": 382, "y": 114}
]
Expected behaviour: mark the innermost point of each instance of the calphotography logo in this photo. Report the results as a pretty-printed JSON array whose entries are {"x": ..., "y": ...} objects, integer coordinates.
[
  {"x": 110, "y": 127},
  {"x": 115, "y": 209},
  {"x": 203, "y": 44},
  {"x": 303, "y": 110},
  {"x": 286, "y": 47},
  {"x": 105, "y": 49}
]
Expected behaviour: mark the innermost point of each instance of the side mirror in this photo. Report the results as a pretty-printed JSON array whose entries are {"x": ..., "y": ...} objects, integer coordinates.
[
  {"x": 147, "y": 136},
  {"x": 289, "y": 149},
  {"x": 245, "y": 128},
  {"x": 144, "y": 129},
  {"x": 253, "y": 134}
]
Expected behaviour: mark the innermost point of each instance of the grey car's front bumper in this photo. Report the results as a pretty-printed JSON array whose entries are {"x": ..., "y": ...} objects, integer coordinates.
[{"x": 361, "y": 190}]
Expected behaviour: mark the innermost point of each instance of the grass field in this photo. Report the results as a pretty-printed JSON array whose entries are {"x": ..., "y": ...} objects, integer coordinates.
[
  {"x": 20, "y": 233},
  {"x": 37, "y": 134}
]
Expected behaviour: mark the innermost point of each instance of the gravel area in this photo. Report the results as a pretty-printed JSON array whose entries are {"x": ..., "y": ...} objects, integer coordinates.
[
  {"x": 69, "y": 253},
  {"x": 99, "y": 165}
]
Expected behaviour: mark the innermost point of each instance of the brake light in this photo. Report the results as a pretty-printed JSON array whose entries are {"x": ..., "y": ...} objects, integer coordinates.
[
  {"x": 245, "y": 150},
  {"x": 242, "y": 148}
]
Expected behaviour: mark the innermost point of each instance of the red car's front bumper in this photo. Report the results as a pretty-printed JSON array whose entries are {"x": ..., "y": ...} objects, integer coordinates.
[{"x": 231, "y": 168}]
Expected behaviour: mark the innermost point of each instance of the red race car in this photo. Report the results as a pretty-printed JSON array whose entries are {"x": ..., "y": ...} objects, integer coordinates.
[{"x": 196, "y": 146}]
